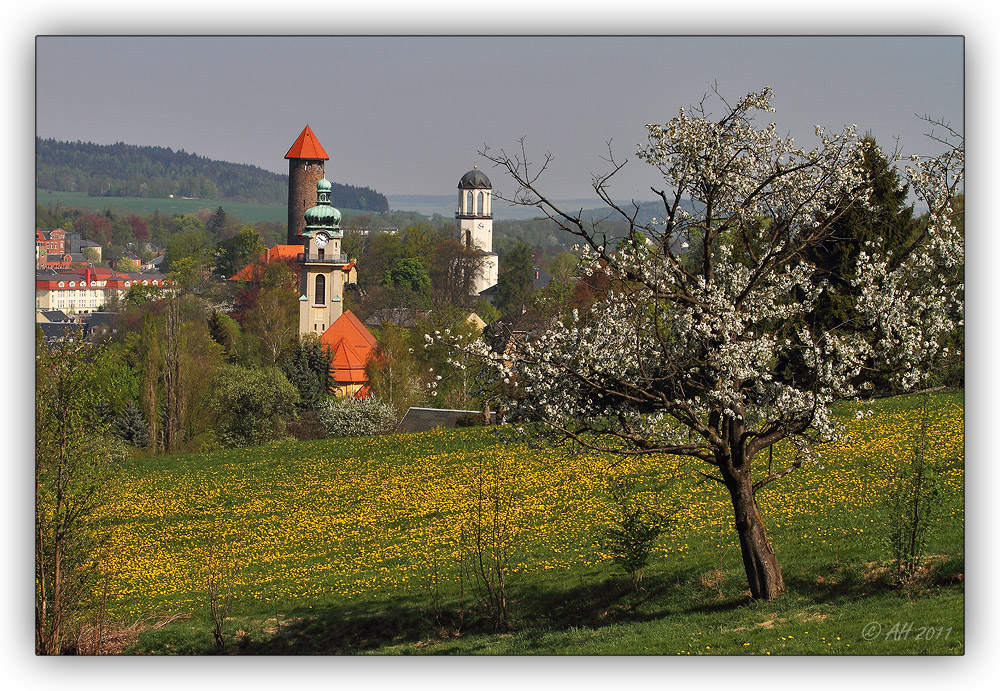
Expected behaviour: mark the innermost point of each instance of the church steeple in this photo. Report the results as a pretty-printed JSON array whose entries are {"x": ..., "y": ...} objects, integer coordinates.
[
  {"x": 322, "y": 216},
  {"x": 321, "y": 276},
  {"x": 475, "y": 224}
]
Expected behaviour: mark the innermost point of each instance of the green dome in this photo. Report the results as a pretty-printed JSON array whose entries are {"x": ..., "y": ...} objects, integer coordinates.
[
  {"x": 475, "y": 179},
  {"x": 322, "y": 216}
]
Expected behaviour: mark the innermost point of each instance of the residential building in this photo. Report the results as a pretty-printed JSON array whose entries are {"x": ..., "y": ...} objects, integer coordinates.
[
  {"x": 87, "y": 289},
  {"x": 60, "y": 248}
]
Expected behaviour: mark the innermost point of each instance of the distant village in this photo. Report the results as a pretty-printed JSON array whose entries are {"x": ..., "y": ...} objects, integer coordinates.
[{"x": 78, "y": 293}]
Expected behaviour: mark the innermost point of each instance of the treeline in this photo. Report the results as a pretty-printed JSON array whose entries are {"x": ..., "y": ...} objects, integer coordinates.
[
  {"x": 545, "y": 234},
  {"x": 125, "y": 170}
]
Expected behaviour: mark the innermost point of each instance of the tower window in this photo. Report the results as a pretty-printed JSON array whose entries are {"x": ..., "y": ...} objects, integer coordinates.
[
  {"x": 479, "y": 204},
  {"x": 468, "y": 203},
  {"x": 320, "y": 290}
]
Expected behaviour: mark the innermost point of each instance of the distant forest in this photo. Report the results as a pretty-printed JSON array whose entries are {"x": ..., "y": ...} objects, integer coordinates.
[{"x": 124, "y": 170}]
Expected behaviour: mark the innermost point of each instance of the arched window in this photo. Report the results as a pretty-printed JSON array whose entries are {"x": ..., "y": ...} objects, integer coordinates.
[
  {"x": 468, "y": 203},
  {"x": 321, "y": 290},
  {"x": 479, "y": 204}
]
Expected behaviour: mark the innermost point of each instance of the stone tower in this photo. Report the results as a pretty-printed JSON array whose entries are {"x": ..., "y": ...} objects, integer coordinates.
[
  {"x": 306, "y": 167},
  {"x": 322, "y": 274},
  {"x": 475, "y": 224}
]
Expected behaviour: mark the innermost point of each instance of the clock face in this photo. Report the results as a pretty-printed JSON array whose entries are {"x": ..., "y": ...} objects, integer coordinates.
[
  {"x": 481, "y": 225},
  {"x": 321, "y": 239}
]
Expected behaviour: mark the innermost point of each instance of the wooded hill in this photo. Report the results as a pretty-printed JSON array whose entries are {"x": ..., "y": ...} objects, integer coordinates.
[{"x": 125, "y": 170}]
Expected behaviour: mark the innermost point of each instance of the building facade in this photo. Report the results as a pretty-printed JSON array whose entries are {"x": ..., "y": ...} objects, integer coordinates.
[
  {"x": 84, "y": 290},
  {"x": 321, "y": 299},
  {"x": 60, "y": 248}
]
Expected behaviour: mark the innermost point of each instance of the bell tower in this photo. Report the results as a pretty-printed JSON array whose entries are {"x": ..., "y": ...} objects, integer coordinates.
[
  {"x": 322, "y": 276},
  {"x": 475, "y": 224},
  {"x": 306, "y": 167}
]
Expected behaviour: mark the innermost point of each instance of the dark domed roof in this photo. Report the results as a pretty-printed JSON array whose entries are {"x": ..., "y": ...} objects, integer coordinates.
[{"x": 475, "y": 179}]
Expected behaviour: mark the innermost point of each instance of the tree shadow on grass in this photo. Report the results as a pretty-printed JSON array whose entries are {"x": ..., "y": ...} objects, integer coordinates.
[
  {"x": 403, "y": 625},
  {"x": 839, "y": 584},
  {"x": 342, "y": 631},
  {"x": 857, "y": 581}
]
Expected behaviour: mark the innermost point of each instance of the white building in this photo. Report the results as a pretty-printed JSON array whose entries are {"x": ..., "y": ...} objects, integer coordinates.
[{"x": 475, "y": 225}]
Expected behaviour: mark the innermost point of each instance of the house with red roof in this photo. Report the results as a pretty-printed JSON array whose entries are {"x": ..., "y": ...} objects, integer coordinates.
[
  {"x": 84, "y": 290},
  {"x": 254, "y": 272},
  {"x": 59, "y": 248},
  {"x": 351, "y": 346},
  {"x": 290, "y": 254}
]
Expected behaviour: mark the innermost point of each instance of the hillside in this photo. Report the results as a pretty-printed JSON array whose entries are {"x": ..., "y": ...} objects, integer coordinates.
[
  {"x": 125, "y": 170},
  {"x": 360, "y": 546}
]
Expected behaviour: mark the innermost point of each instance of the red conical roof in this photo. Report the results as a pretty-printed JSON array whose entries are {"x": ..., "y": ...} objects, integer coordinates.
[{"x": 307, "y": 146}]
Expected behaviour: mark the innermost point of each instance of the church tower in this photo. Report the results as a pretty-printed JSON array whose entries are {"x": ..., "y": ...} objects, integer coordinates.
[
  {"x": 322, "y": 274},
  {"x": 475, "y": 224},
  {"x": 306, "y": 167}
]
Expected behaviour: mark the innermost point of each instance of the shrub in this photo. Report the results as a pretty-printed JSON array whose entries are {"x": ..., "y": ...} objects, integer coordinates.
[
  {"x": 912, "y": 506},
  {"x": 346, "y": 417},
  {"x": 250, "y": 404},
  {"x": 633, "y": 531}
]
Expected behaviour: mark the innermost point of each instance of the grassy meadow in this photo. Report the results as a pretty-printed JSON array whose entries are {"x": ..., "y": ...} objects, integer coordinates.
[
  {"x": 245, "y": 211},
  {"x": 354, "y": 546}
]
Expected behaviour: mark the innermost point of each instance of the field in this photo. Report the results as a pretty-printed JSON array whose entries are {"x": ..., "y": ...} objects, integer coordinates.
[
  {"x": 354, "y": 546},
  {"x": 246, "y": 212}
]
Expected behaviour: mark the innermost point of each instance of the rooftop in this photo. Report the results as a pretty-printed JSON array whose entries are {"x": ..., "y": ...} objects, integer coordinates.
[{"x": 307, "y": 146}]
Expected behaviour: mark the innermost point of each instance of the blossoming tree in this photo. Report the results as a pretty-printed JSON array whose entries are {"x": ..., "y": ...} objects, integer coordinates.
[{"x": 684, "y": 354}]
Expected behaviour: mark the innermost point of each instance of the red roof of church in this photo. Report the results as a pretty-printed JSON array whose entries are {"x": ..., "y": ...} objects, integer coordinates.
[
  {"x": 351, "y": 344},
  {"x": 251, "y": 272},
  {"x": 307, "y": 146}
]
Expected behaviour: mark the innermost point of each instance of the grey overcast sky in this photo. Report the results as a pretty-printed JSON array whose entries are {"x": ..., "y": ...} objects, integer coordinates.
[{"x": 408, "y": 114}]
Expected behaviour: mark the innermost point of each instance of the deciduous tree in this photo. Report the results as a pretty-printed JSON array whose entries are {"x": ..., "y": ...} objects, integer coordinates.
[
  {"x": 680, "y": 361},
  {"x": 73, "y": 455},
  {"x": 250, "y": 404},
  {"x": 515, "y": 279}
]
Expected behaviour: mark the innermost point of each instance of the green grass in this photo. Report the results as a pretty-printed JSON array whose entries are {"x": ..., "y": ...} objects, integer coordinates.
[
  {"x": 245, "y": 212},
  {"x": 339, "y": 544}
]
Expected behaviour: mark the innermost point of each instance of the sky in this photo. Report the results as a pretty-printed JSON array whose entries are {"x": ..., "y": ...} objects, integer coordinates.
[{"x": 410, "y": 114}]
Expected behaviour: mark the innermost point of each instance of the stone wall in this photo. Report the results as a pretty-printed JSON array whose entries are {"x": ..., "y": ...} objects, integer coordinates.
[{"x": 303, "y": 174}]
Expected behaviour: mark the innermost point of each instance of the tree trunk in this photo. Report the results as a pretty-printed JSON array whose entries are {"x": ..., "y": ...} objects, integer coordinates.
[{"x": 759, "y": 560}]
